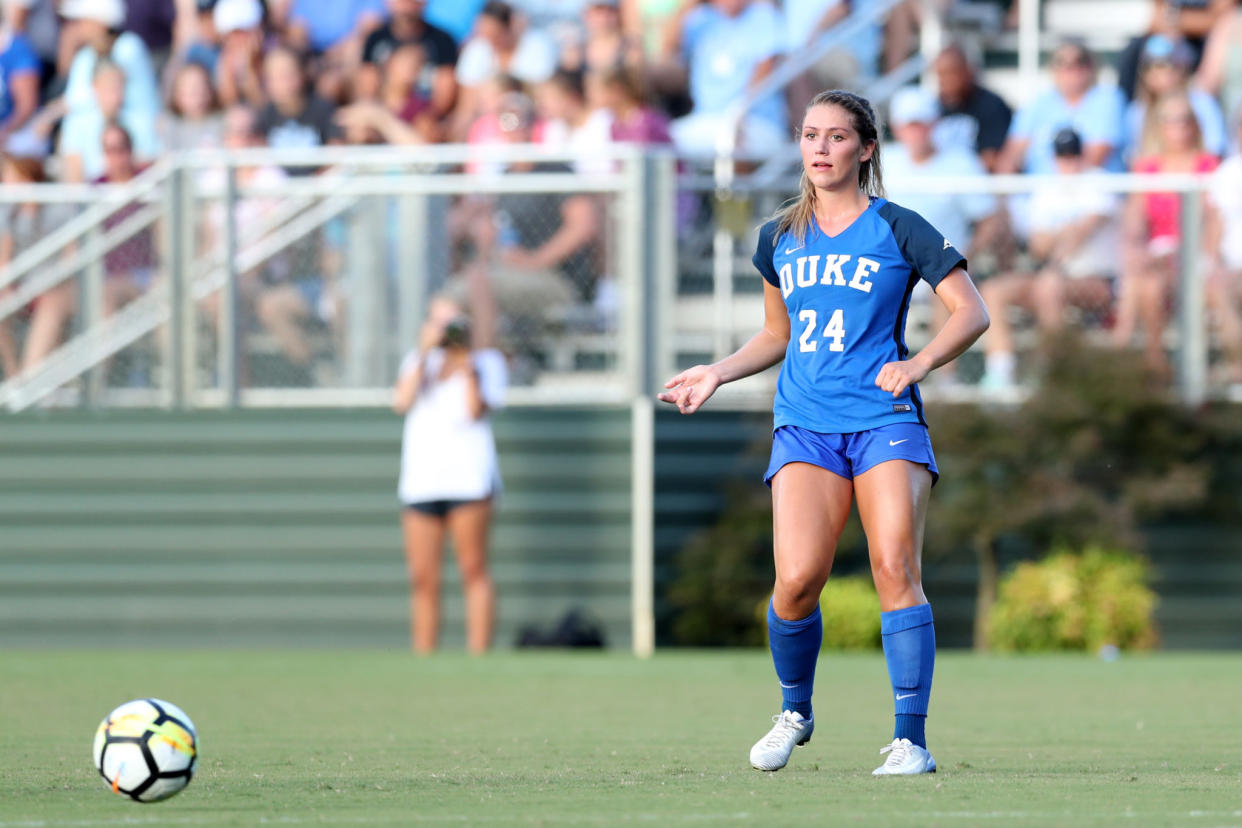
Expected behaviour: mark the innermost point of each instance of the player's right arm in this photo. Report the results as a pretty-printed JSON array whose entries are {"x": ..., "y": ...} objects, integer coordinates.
[{"x": 693, "y": 386}]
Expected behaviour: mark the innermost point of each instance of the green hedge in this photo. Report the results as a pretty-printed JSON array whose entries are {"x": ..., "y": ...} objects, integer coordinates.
[{"x": 1071, "y": 601}]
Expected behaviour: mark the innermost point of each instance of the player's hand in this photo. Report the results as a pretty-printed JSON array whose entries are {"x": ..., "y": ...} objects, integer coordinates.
[
  {"x": 691, "y": 388},
  {"x": 896, "y": 377}
]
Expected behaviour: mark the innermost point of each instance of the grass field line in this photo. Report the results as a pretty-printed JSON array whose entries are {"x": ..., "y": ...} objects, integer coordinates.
[{"x": 344, "y": 819}]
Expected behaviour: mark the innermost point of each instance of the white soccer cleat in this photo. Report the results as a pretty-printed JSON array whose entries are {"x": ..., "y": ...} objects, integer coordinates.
[
  {"x": 771, "y": 753},
  {"x": 905, "y": 758}
]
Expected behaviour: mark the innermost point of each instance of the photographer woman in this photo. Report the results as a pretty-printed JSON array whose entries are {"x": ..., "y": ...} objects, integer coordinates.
[{"x": 449, "y": 473}]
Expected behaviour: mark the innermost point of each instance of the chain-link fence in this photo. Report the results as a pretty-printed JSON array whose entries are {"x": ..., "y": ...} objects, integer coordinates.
[
  {"x": 1051, "y": 254},
  {"x": 232, "y": 280},
  {"x": 76, "y": 262}
]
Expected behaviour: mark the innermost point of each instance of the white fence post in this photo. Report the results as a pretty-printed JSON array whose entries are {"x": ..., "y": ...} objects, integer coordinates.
[{"x": 1192, "y": 322}]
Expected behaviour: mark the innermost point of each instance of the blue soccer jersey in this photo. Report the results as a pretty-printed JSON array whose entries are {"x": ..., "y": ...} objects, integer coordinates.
[{"x": 847, "y": 297}]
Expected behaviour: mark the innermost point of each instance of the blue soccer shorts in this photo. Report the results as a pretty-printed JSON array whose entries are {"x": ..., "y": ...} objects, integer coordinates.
[{"x": 849, "y": 455}]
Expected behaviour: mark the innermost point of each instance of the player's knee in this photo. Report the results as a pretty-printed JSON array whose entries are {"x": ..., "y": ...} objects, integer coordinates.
[
  {"x": 473, "y": 573},
  {"x": 894, "y": 573},
  {"x": 798, "y": 588}
]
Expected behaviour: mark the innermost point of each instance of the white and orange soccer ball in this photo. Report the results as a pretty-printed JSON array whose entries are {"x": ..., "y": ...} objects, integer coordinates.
[{"x": 146, "y": 749}]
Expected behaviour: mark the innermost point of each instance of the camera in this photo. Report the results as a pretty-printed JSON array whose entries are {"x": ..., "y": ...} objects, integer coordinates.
[{"x": 456, "y": 333}]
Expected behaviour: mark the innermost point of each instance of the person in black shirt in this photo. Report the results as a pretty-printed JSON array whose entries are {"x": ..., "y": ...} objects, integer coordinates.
[
  {"x": 407, "y": 26},
  {"x": 293, "y": 117},
  {"x": 971, "y": 117}
]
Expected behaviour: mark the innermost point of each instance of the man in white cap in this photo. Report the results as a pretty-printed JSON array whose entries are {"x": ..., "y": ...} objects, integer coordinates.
[
  {"x": 96, "y": 24},
  {"x": 960, "y": 217},
  {"x": 972, "y": 222}
]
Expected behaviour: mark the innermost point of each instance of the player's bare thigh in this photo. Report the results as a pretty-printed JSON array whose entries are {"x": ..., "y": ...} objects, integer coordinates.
[
  {"x": 892, "y": 504},
  {"x": 809, "y": 508}
]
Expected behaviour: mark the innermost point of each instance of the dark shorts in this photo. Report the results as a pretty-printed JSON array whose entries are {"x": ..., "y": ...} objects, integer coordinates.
[
  {"x": 849, "y": 455},
  {"x": 438, "y": 508}
]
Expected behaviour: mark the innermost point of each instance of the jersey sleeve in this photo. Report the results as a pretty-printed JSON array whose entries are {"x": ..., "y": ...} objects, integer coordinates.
[
  {"x": 926, "y": 249},
  {"x": 764, "y": 251}
]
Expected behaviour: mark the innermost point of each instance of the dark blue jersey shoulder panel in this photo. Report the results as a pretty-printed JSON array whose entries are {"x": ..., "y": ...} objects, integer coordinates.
[
  {"x": 929, "y": 253},
  {"x": 764, "y": 251}
]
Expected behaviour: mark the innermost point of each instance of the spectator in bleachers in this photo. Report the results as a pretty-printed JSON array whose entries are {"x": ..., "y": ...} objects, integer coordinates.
[
  {"x": 971, "y": 116},
  {"x": 545, "y": 244},
  {"x": 332, "y": 33},
  {"x": 293, "y": 116},
  {"x": 284, "y": 297},
  {"x": 913, "y": 114},
  {"x": 81, "y": 149},
  {"x": 1165, "y": 71},
  {"x": 729, "y": 47},
  {"x": 633, "y": 119},
  {"x": 1224, "y": 246},
  {"x": 21, "y": 226},
  {"x": 1153, "y": 226},
  {"x": 401, "y": 115},
  {"x": 407, "y": 26},
  {"x": 570, "y": 124},
  {"x": 484, "y": 130},
  {"x": 844, "y": 66},
  {"x": 971, "y": 222},
  {"x": 96, "y": 26},
  {"x": 501, "y": 44},
  {"x": 20, "y": 78},
  {"x": 1189, "y": 20},
  {"x": 602, "y": 43},
  {"x": 1220, "y": 72},
  {"x": 239, "y": 66},
  {"x": 129, "y": 267},
  {"x": 193, "y": 119},
  {"x": 1072, "y": 259},
  {"x": 39, "y": 22},
  {"x": 1094, "y": 111}
]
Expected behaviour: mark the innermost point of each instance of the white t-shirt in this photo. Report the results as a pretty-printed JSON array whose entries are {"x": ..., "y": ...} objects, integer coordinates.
[
  {"x": 584, "y": 142},
  {"x": 950, "y": 213},
  {"x": 446, "y": 454},
  {"x": 534, "y": 60},
  {"x": 1056, "y": 207},
  {"x": 1225, "y": 194}
]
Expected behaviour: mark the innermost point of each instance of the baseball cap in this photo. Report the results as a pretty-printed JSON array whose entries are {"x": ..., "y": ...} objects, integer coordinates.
[
  {"x": 111, "y": 13},
  {"x": 913, "y": 105},
  {"x": 1162, "y": 49},
  {"x": 1066, "y": 143},
  {"x": 236, "y": 15}
]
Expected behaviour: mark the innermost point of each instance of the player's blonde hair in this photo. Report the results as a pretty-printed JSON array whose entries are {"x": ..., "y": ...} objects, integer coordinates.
[{"x": 798, "y": 213}]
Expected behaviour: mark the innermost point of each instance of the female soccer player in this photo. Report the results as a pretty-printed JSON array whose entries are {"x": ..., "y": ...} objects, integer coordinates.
[{"x": 840, "y": 262}]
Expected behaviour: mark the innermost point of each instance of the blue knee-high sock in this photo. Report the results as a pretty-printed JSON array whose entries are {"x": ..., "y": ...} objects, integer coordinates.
[
  {"x": 910, "y": 650},
  {"x": 795, "y": 649}
]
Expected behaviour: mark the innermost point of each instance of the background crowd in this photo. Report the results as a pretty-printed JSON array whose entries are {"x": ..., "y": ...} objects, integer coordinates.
[{"x": 94, "y": 90}]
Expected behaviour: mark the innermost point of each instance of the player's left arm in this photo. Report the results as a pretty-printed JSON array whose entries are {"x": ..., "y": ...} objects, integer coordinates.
[{"x": 968, "y": 319}]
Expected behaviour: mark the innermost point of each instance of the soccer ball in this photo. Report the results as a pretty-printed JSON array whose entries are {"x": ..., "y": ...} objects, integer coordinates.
[{"x": 146, "y": 749}]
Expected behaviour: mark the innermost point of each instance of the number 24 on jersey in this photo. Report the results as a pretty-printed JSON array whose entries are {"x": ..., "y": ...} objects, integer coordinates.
[{"x": 834, "y": 331}]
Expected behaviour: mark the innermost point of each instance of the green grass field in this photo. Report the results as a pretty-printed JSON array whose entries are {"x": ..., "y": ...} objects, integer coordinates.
[{"x": 547, "y": 739}]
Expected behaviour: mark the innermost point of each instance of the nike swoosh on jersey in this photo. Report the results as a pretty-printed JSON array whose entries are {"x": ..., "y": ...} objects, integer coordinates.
[{"x": 898, "y": 442}]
